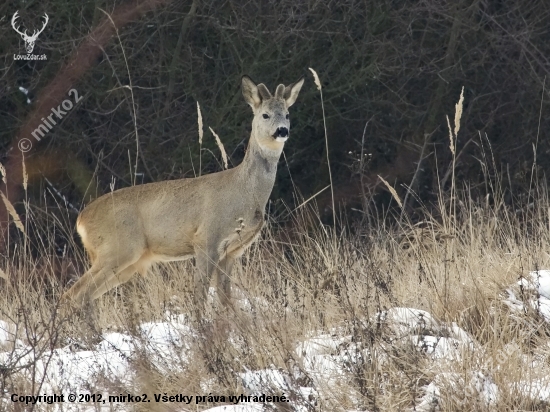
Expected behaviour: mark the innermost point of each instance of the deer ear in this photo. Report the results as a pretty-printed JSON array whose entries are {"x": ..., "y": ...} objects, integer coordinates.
[
  {"x": 291, "y": 92},
  {"x": 280, "y": 91},
  {"x": 250, "y": 92},
  {"x": 264, "y": 92}
]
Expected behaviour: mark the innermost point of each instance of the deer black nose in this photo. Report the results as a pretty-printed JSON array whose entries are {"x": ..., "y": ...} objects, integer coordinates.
[{"x": 281, "y": 132}]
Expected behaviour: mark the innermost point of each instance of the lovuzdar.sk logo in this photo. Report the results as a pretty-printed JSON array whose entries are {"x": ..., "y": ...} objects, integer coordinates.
[{"x": 29, "y": 40}]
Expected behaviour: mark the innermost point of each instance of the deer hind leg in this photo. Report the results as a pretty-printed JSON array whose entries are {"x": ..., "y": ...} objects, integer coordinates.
[
  {"x": 84, "y": 288},
  {"x": 102, "y": 276},
  {"x": 141, "y": 267},
  {"x": 113, "y": 281}
]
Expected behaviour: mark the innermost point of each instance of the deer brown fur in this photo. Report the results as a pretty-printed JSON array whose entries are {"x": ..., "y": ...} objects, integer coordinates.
[{"x": 214, "y": 217}]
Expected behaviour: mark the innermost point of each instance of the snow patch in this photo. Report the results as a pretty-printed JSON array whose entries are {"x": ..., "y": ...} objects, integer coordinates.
[{"x": 531, "y": 292}]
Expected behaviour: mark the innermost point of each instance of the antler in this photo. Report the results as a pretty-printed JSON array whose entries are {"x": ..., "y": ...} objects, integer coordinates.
[
  {"x": 36, "y": 33},
  {"x": 13, "y": 19}
]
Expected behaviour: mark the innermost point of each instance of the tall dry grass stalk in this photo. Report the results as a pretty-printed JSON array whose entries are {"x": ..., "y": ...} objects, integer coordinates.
[
  {"x": 453, "y": 137},
  {"x": 25, "y": 175},
  {"x": 320, "y": 88},
  {"x": 392, "y": 191},
  {"x": 458, "y": 111},
  {"x": 201, "y": 134},
  {"x": 536, "y": 144},
  {"x": 3, "y": 172},
  {"x": 26, "y": 201},
  {"x": 13, "y": 213},
  {"x": 130, "y": 87},
  {"x": 222, "y": 149}
]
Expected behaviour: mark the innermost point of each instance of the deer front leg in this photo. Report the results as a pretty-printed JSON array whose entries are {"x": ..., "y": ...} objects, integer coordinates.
[
  {"x": 224, "y": 280},
  {"x": 207, "y": 259}
]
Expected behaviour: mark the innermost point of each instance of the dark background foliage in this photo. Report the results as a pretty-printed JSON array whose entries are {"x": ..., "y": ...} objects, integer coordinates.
[{"x": 391, "y": 70}]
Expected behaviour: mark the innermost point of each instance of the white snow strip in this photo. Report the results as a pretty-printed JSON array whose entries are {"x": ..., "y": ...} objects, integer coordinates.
[
  {"x": 407, "y": 320},
  {"x": 477, "y": 385},
  {"x": 534, "y": 290},
  {"x": 537, "y": 389}
]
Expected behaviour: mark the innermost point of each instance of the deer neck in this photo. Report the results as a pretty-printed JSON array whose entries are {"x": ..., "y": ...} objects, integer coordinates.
[{"x": 259, "y": 167}]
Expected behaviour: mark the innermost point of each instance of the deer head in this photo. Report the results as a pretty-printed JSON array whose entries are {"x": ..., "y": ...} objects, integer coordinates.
[{"x": 29, "y": 40}]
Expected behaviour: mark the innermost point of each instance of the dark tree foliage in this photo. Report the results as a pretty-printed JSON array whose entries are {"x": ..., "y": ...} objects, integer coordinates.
[{"x": 398, "y": 65}]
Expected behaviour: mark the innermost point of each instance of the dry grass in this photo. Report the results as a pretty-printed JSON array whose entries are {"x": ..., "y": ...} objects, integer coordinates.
[
  {"x": 313, "y": 281},
  {"x": 293, "y": 285}
]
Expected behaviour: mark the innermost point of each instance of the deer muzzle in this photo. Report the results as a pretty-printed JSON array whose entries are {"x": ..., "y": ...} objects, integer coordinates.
[{"x": 281, "y": 133}]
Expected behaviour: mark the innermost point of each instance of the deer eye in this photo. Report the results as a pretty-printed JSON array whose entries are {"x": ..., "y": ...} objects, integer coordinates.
[
  {"x": 287, "y": 116},
  {"x": 265, "y": 116}
]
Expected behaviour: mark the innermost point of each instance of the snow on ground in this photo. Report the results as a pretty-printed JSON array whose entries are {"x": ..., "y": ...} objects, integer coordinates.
[
  {"x": 531, "y": 292},
  {"x": 325, "y": 360},
  {"x": 538, "y": 389},
  {"x": 72, "y": 370},
  {"x": 535, "y": 292},
  {"x": 477, "y": 385},
  {"x": 437, "y": 339}
]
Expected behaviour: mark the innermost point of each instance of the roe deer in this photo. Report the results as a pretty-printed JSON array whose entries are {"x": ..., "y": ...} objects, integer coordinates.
[{"x": 214, "y": 217}]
